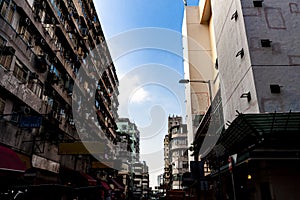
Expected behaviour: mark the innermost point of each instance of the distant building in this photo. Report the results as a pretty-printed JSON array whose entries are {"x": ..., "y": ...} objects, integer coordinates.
[
  {"x": 145, "y": 181},
  {"x": 129, "y": 148},
  {"x": 135, "y": 173},
  {"x": 166, "y": 179},
  {"x": 176, "y": 157}
]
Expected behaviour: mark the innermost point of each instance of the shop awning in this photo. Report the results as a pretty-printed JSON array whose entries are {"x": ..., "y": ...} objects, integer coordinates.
[
  {"x": 89, "y": 179},
  {"x": 9, "y": 160},
  {"x": 247, "y": 129},
  {"x": 258, "y": 134},
  {"x": 76, "y": 178},
  {"x": 105, "y": 185},
  {"x": 117, "y": 185}
]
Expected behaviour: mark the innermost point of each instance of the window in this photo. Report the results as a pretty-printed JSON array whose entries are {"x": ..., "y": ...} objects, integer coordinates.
[
  {"x": 10, "y": 12},
  {"x": 185, "y": 165},
  {"x": 20, "y": 72},
  {"x": 5, "y": 61},
  {"x": 7, "y": 10},
  {"x": 174, "y": 130},
  {"x": 5, "y": 54},
  {"x": 257, "y": 3},
  {"x": 2, "y": 42},
  {"x": 24, "y": 32},
  {"x": 2, "y": 105},
  {"x": 36, "y": 87}
]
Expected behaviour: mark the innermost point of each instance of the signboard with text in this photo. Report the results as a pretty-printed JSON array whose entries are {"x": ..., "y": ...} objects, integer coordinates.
[
  {"x": 30, "y": 121},
  {"x": 44, "y": 163},
  {"x": 77, "y": 148}
]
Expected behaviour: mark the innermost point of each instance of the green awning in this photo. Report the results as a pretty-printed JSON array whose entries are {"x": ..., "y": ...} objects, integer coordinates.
[{"x": 250, "y": 129}]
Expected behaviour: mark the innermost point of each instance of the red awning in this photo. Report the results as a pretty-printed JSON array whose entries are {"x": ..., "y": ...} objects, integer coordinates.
[
  {"x": 90, "y": 179},
  {"x": 105, "y": 185},
  {"x": 10, "y": 161},
  {"x": 117, "y": 185},
  {"x": 76, "y": 178}
]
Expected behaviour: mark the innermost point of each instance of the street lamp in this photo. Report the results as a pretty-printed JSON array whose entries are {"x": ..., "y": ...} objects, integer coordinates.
[{"x": 185, "y": 81}]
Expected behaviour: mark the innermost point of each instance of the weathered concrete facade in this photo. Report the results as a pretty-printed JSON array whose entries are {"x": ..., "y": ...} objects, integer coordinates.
[{"x": 43, "y": 44}]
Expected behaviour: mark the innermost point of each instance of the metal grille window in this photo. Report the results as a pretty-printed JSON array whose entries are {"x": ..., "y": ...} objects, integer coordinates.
[
  {"x": 36, "y": 87},
  {"x": 2, "y": 105},
  {"x": 5, "y": 54},
  {"x": 185, "y": 165},
  {"x": 25, "y": 34},
  {"x": 5, "y": 61},
  {"x": 7, "y": 8},
  {"x": 4, "y": 5},
  {"x": 20, "y": 72}
]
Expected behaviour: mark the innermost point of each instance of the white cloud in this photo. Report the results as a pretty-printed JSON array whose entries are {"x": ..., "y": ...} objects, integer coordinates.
[{"x": 140, "y": 96}]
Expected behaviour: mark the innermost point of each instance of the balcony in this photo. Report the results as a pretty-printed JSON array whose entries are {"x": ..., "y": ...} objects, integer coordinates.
[{"x": 19, "y": 89}]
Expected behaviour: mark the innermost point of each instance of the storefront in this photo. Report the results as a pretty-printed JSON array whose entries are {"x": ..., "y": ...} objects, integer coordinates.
[
  {"x": 11, "y": 168},
  {"x": 75, "y": 178},
  {"x": 257, "y": 157}
]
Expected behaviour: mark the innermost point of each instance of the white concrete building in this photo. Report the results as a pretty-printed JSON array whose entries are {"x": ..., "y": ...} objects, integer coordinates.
[
  {"x": 199, "y": 65},
  {"x": 250, "y": 50}
]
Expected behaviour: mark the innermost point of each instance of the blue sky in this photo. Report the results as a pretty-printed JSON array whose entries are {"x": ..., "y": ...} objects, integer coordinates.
[{"x": 149, "y": 89}]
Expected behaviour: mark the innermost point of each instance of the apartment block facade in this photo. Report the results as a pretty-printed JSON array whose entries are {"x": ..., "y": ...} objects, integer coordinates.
[
  {"x": 135, "y": 173},
  {"x": 175, "y": 156},
  {"x": 48, "y": 48}
]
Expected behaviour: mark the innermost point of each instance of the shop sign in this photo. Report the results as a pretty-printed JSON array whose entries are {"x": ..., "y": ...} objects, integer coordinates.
[
  {"x": 45, "y": 164},
  {"x": 81, "y": 148},
  {"x": 30, "y": 122},
  {"x": 102, "y": 165}
]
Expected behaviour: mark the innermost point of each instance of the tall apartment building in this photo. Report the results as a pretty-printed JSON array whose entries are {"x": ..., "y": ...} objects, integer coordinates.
[
  {"x": 176, "y": 158},
  {"x": 166, "y": 176},
  {"x": 128, "y": 153},
  {"x": 47, "y": 48},
  {"x": 252, "y": 47},
  {"x": 146, "y": 190},
  {"x": 129, "y": 148}
]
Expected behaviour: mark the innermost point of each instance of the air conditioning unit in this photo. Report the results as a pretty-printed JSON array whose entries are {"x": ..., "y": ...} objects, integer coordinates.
[
  {"x": 33, "y": 76},
  {"x": 14, "y": 117},
  {"x": 25, "y": 110},
  {"x": 25, "y": 21},
  {"x": 44, "y": 4}
]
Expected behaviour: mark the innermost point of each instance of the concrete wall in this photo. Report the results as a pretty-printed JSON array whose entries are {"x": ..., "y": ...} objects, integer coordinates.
[
  {"x": 279, "y": 64},
  {"x": 236, "y": 76},
  {"x": 261, "y": 66},
  {"x": 188, "y": 118},
  {"x": 198, "y": 65}
]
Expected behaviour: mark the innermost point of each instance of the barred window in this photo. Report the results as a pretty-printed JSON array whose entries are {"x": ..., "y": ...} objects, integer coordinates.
[
  {"x": 5, "y": 61},
  {"x": 5, "y": 54},
  {"x": 36, "y": 87},
  {"x": 2, "y": 105},
  {"x": 20, "y": 72},
  {"x": 7, "y": 8}
]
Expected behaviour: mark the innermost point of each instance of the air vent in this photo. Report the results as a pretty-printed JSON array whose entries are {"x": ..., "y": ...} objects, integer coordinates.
[
  {"x": 257, "y": 3},
  {"x": 275, "y": 88},
  {"x": 265, "y": 43}
]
